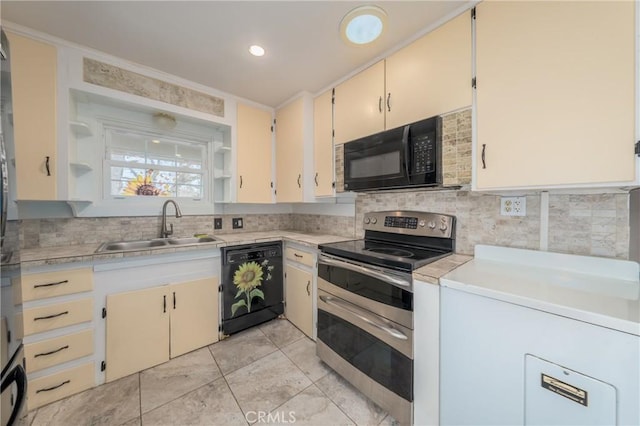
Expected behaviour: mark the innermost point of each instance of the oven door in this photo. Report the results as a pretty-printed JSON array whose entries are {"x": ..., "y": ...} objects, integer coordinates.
[
  {"x": 372, "y": 353},
  {"x": 387, "y": 293},
  {"x": 377, "y": 161}
]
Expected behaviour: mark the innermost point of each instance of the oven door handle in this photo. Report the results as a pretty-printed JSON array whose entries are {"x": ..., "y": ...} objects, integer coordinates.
[
  {"x": 366, "y": 271},
  {"x": 364, "y": 316}
]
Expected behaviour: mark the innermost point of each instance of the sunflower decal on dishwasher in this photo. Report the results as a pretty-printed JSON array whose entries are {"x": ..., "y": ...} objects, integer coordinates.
[{"x": 247, "y": 279}]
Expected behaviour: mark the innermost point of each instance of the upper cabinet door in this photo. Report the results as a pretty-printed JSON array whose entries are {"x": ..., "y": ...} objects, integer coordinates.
[
  {"x": 323, "y": 145},
  {"x": 555, "y": 93},
  {"x": 431, "y": 76},
  {"x": 34, "y": 78},
  {"x": 290, "y": 152},
  {"x": 359, "y": 105},
  {"x": 254, "y": 155}
]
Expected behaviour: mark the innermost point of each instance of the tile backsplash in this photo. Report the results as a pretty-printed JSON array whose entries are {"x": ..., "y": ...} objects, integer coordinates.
[{"x": 595, "y": 225}]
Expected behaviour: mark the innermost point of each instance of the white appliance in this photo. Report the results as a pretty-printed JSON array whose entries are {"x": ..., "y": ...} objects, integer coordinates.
[{"x": 540, "y": 338}]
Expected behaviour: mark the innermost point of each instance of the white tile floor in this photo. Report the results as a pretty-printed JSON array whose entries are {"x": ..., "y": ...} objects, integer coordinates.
[{"x": 265, "y": 375}]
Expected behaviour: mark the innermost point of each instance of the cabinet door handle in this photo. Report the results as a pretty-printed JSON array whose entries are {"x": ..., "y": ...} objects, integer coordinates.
[
  {"x": 316, "y": 178},
  {"x": 299, "y": 177},
  {"x": 46, "y": 164},
  {"x": 51, "y": 316},
  {"x": 53, "y": 387},
  {"x": 484, "y": 164},
  {"x": 50, "y": 284},
  {"x": 297, "y": 255},
  {"x": 164, "y": 303},
  {"x": 380, "y": 104},
  {"x": 52, "y": 352},
  {"x": 174, "y": 300},
  {"x": 308, "y": 290},
  {"x": 389, "y": 101},
  {"x": 240, "y": 181}
]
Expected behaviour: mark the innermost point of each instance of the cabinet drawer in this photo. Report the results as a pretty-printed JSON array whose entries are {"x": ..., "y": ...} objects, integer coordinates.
[
  {"x": 300, "y": 256},
  {"x": 56, "y": 386},
  {"x": 50, "y": 352},
  {"x": 51, "y": 284},
  {"x": 37, "y": 320}
]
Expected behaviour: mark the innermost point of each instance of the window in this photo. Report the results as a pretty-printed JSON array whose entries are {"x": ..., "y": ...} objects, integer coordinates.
[{"x": 146, "y": 164}]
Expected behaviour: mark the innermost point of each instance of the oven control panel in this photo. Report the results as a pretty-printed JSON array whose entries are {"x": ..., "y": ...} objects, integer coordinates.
[{"x": 411, "y": 223}]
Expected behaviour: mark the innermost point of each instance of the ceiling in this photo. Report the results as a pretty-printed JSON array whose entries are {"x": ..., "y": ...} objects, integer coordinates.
[{"x": 207, "y": 41}]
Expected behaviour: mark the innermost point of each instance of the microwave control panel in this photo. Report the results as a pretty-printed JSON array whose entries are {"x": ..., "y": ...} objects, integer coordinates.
[{"x": 423, "y": 150}]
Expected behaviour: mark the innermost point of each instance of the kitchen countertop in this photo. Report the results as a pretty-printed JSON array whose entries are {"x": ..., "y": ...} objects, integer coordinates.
[
  {"x": 87, "y": 252},
  {"x": 432, "y": 272},
  {"x": 600, "y": 291}
]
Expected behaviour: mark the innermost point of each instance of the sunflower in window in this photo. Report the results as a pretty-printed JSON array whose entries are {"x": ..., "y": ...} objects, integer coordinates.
[{"x": 142, "y": 184}]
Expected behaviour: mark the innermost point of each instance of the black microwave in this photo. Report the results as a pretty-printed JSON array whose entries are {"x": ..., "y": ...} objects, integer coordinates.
[{"x": 403, "y": 157}]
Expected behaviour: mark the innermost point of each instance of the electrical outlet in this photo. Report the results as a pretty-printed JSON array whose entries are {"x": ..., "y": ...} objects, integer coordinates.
[
  {"x": 236, "y": 222},
  {"x": 513, "y": 206},
  {"x": 217, "y": 223}
]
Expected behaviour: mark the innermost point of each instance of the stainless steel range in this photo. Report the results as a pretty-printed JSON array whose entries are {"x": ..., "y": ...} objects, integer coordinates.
[{"x": 365, "y": 302}]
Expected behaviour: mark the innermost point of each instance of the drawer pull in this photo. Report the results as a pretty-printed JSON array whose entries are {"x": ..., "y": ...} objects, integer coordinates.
[
  {"x": 297, "y": 255},
  {"x": 308, "y": 285},
  {"x": 51, "y": 316},
  {"x": 53, "y": 387},
  {"x": 50, "y": 284},
  {"x": 52, "y": 352}
]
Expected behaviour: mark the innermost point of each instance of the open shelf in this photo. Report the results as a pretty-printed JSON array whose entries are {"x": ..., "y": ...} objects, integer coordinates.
[
  {"x": 80, "y": 168},
  {"x": 80, "y": 129}
]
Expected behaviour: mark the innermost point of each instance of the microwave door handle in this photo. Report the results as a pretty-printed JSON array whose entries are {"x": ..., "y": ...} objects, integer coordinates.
[
  {"x": 407, "y": 150},
  {"x": 364, "y": 316},
  {"x": 365, "y": 271}
]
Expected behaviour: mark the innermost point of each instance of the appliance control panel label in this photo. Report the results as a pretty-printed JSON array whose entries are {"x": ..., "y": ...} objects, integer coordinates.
[{"x": 564, "y": 389}]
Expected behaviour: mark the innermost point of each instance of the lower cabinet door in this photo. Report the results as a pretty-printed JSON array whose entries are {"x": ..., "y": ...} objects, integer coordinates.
[
  {"x": 56, "y": 386},
  {"x": 137, "y": 331},
  {"x": 194, "y": 315},
  {"x": 298, "y": 295}
]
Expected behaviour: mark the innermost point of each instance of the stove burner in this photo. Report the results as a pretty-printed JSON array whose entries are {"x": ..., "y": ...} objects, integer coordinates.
[{"x": 391, "y": 251}]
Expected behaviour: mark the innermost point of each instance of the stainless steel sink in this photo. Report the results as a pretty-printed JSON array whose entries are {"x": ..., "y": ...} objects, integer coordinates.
[
  {"x": 156, "y": 242},
  {"x": 191, "y": 240}
]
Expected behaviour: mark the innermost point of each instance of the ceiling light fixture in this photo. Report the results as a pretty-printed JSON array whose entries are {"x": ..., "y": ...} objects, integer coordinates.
[
  {"x": 363, "y": 25},
  {"x": 256, "y": 50}
]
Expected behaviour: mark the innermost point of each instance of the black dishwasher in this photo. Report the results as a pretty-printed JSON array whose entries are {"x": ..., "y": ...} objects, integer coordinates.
[{"x": 252, "y": 285}]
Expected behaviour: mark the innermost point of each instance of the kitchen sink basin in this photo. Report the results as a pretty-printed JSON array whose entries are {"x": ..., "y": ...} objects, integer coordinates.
[
  {"x": 191, "y": 240},
  {"x": 156, "y": 242}
]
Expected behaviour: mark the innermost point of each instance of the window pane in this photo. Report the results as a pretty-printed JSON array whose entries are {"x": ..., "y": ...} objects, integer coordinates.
[
  {"x": 189, "y": 191},
  {"x": 155, "y": 162}
]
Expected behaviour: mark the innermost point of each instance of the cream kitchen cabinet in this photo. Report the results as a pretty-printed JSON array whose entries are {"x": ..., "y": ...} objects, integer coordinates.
[
  {"x": 137, "y": 331},
  {"x": 294, "y": 164},
  {"x": 57, "y": 332},
  {"x": 359, "y": 105},
  {"x": 254, "y": 167},
  {"x": 34, "y": 80},
  {"x": 431, "y": 76},
  {"x": 194, "y": 315},
  {"x": 323, "y": 179},
  {"x": 555, "y": 94},
  {"x": 300, "y": 272},
  {"x": 147, "y": 327}
]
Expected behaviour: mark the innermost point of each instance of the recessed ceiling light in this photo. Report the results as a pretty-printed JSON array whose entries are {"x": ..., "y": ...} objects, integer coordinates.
[
  {"x": 256, "y": 50},
  {"x": 155, "y": 141},
  {"x": 363, "y": 25}
]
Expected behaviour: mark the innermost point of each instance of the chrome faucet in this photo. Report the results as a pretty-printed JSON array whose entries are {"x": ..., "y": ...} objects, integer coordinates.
[{"x": 164, "y": 232}]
